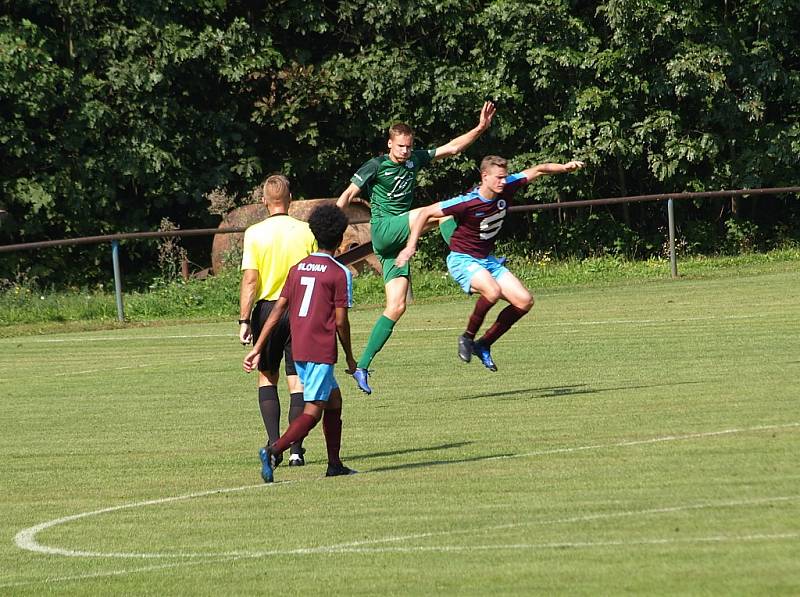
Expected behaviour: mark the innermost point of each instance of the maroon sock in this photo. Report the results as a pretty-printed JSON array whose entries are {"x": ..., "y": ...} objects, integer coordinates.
[
  {"x": 332, "y": 428},
  {"x": 482, "y": 307},
  {"x": 298, "y": 429},
  {"x": 508, "y": 317}
]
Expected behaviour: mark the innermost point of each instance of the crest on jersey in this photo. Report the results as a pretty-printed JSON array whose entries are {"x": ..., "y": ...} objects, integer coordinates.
[
  {"x": 409, "y": 164},
  {"x": 501, "y": 204}
]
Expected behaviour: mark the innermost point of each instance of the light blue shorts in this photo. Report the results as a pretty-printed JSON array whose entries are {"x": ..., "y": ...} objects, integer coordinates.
[
  {"x": 318, "y": 380},
  {"x": 462, "y": 267}
]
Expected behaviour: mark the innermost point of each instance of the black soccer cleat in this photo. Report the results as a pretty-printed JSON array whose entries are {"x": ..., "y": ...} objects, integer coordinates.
[
  {"x": 338, "y": 470},
  {"x": 298, "y": 459},
  {"x": 465, "y": 348}
]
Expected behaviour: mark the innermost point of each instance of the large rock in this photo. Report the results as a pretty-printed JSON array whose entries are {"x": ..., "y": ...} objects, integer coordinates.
[{"x": 226, "y": 249}]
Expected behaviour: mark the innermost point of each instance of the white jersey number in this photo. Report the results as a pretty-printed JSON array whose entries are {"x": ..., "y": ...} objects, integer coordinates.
[
  {"x": 308, "y": 282},
  {"x": 491, "y": 226}
]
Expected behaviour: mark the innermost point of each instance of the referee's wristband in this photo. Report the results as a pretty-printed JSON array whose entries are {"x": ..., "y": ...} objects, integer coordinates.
[{"x": 241, "y": 321}]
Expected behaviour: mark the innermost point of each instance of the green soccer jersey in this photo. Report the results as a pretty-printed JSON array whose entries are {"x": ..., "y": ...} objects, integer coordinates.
[{"x": 390, "y": 186}]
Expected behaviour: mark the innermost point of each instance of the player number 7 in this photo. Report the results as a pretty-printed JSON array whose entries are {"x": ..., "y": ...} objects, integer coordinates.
[{"x": 308, "y": 282}]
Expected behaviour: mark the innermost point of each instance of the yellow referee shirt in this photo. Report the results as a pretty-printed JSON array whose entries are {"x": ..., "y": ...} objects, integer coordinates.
[{"x": 272, "y": 247}]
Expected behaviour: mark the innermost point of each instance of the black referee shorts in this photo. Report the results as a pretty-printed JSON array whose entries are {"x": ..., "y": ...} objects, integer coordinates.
[{"x": 279, "y": 344}]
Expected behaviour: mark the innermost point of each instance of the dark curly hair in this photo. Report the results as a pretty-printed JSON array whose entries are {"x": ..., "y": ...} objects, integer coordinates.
[{"x": 328, "y": 224}]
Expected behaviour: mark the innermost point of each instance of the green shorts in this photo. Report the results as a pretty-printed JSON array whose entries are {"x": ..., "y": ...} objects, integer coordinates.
[{"x": 389, "y": 237}]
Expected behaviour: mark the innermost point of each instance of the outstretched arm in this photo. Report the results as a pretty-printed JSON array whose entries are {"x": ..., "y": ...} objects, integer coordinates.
[
  {"x": 251, "y": 360},
  {"x": 425, "y": 215},
  {"x": 551, "y": 168},
  {"x": 459, "y": 144},
  {"x": 350, "y": 193}
]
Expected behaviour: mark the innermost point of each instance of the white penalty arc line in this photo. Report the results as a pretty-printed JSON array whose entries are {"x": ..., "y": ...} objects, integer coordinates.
[
  {"x": 26, "y": 538},
  {"x": 566, "y": 544},
  {"x": 644, "y": 442},
  {"x": 422, "y": 549}
]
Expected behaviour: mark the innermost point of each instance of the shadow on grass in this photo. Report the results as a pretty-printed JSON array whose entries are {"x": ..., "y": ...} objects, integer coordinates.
[
  {"x": 411, "y": 465},
  {"x": 398, "y": 453},
  {"x": 408, "y": 451},
  {"x": 574, "y": 390}
]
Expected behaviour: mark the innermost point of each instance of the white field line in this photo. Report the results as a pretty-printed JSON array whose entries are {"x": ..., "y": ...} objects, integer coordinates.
[
  {"x": 126, "y": 367},
  {"x": 402, "y": 329},
  {"x": 26, "y": 538},
  {"x": 108, "y": 573},
  {"x": 442, "y": 548},
  {"x": 564, "y": 544},
  {"x": 126, "y": 338},
  {"x": 642, "y": 442},
  {"x": 422, "y": 549}
]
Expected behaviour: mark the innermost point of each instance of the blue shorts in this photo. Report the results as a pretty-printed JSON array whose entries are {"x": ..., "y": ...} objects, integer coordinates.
[
  {"x": 318, "y": 380},
  {"x": 462, "y": 267}
]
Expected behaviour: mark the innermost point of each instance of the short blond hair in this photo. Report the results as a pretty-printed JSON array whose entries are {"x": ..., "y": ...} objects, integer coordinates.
[
  {"x": 493, "y": 160},
  {"x": 276, "y": 188},
  {"x": 400, "y": 128}
]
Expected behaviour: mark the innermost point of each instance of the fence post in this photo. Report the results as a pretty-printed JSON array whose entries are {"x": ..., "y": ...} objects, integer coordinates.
[
  {"x": 117, "y": 279},
  {"x": 673, "y": 260}
]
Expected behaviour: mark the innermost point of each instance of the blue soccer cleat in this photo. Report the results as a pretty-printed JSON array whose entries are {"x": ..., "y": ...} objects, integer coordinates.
[
  {"x": 361, "y": 376},
  {"x": 480, "y": 350},
  {"x": 268, "y": 463}
]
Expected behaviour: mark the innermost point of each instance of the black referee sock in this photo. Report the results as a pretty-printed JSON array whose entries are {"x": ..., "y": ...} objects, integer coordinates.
[
  {"x": 296, "y": 407},
  {"x": 270, "y": 411}
]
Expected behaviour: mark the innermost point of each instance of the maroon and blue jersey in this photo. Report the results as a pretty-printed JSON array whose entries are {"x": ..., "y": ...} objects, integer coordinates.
[
  {"x": 314, "y": 288},
  {"x": 479, "y": 219}
]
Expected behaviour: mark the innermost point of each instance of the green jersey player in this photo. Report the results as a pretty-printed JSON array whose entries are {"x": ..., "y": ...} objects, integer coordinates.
[{"x": 388, "y": 182}]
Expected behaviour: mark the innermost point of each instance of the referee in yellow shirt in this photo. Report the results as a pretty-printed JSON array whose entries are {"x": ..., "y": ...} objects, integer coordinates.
[{"x": 271, "y": 248}]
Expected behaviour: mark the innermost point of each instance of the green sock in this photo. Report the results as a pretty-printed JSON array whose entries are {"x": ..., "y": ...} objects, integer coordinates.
[
  {"x": 380, "y": 334},
  {"x": 447, "y": 228}
]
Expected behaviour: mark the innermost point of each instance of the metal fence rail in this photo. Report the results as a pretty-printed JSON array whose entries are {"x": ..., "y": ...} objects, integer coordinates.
[{"x": 365, "y": 249}]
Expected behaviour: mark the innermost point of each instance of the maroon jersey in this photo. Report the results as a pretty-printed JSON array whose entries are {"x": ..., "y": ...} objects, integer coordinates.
[
  {"x": 314, "y": 288},
  {"x": 479, "y": 220}
]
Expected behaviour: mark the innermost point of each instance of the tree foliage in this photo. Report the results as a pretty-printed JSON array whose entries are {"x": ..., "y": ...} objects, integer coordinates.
[{"x": 118, "y": 114}]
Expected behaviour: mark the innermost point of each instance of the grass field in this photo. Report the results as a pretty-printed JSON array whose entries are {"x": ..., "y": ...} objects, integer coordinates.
[{"x": 639, "y": 438}]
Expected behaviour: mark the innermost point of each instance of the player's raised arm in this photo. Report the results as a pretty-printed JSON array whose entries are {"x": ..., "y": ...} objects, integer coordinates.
[
  {"x": 425, "y": 215},
  {"x": 459, "y": 144},
  {"x": 350, "y": 193},
  {"x": 251, "y": 360},
  {"x": 551, "y": 168}
]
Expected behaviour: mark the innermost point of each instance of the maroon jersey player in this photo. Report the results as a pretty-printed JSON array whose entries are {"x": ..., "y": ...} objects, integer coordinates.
[
  {"x": 317, "y": 294},
  {"x": 479, "y": 216}
]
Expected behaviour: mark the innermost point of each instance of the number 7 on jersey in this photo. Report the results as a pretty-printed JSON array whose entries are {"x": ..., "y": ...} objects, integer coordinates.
[{"x": 308, "y": 282}]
